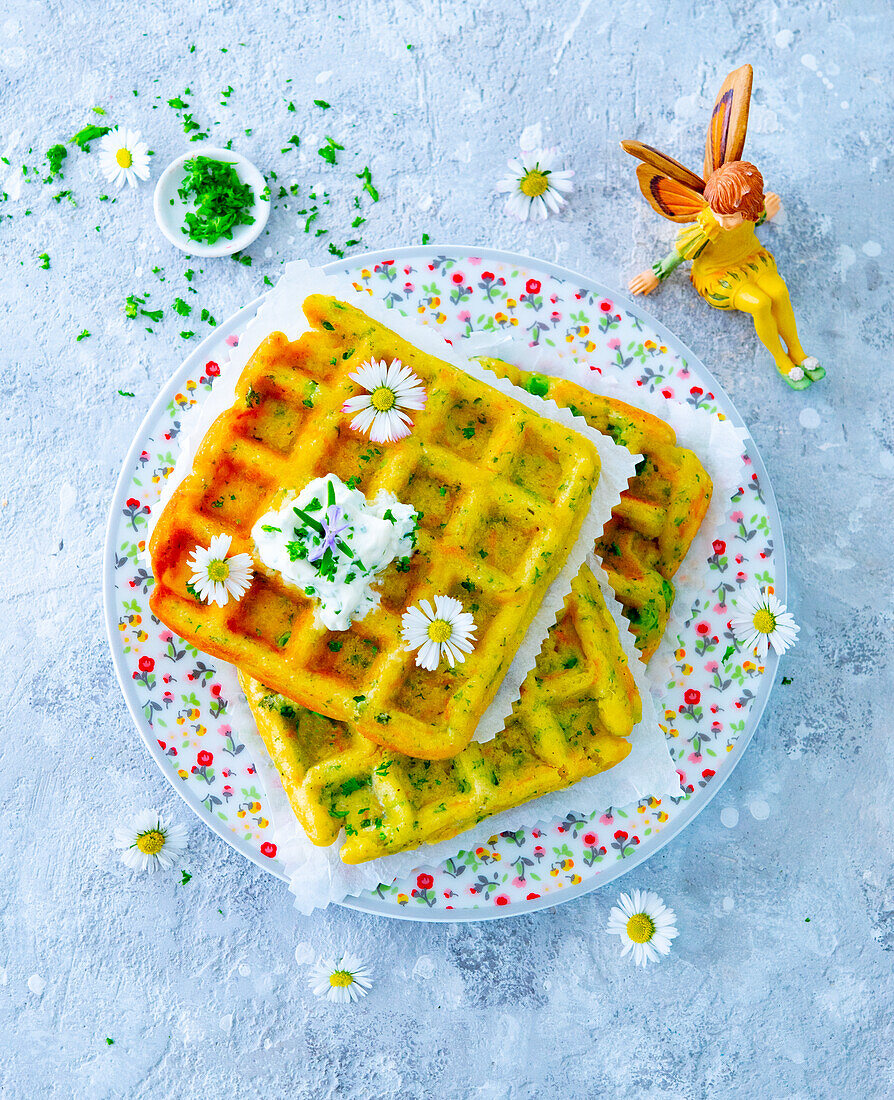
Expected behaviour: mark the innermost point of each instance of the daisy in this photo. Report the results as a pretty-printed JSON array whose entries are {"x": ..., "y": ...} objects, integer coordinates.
[
  {"x": 762, "y": 621},
  {"x": 391, "y": 388},
  {"x": 215, "y": 576},
  {"x": 122, "y": 156},
  {"x": 444, "y": 630},
  {"x": 645, "y": 924},
  {"x": 534, "y": 186},
  {"x": 149, "y": 843},
  {"x": 349, "y": 979}
]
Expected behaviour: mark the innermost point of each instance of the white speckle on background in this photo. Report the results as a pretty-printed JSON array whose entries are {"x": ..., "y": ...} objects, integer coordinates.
[
  {"x": 846, "y": 259},
  {"x": 463, "y": 152},
  {"x": 321, "y": 78},
  {"x": 809, "y": 418},
  {"x": 532, "y": 137},
  {"x": 425, "y": 202},
  {"x": 729, "y": 904},
  {"x": 783, "y": 39},
  {"x": 305, "y": 954},
  {"x": 729, "y": 816},
  {"x": 760, "y": 810},
  {"x": 886, "y": 459},
  {"x": 689, "y": 106},
  {"x": 4, "y": 977},
  {"x": 844, "y": 104},
  {"x": 226, "y": 1022},
  {"x": 424, "y": 968},
  {"x": 244, "y": 970},
  {"x": 762, "y": 120},
  {"x": 36, "y": 984},
  {"x": 872, "y": 248},
  {"x": 569, "y": 34},
  {"x": 809, "y": 61}
]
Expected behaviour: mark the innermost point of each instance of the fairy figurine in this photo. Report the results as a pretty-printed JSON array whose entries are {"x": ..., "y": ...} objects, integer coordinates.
[{"x": 730, "y": 267}]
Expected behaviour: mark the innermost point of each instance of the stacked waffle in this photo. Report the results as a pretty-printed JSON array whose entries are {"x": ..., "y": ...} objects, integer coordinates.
[{"x": 371, "y": 739}]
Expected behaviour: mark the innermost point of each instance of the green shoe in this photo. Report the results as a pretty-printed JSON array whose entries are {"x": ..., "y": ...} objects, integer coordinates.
[
  {"x": 801, "y": 383},
  {"x": 812, "y": 369}
]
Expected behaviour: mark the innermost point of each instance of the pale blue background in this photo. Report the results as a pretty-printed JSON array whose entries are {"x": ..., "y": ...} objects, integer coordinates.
[{"x": 198, "y": 984}]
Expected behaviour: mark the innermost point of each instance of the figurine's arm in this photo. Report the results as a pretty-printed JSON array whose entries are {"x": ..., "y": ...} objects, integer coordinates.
[
  {"x": 772, "y": 206},
  {"x": 648, "y": 280}
]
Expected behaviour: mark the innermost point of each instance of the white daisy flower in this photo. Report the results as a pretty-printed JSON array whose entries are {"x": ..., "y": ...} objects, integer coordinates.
[
  {"x": 150, "y": 843},
  {"x": 645, "y": 925},
  {"x": 444, "y": 630},
  {"x": 535, "y": 184},
  {"x": 123, "y": 157},
  {"x": 215, "y": 576},
  {"x": 347, "y": 980},
  {"x": 762, "y": 621},
  {"x": 392, "y": 388}
]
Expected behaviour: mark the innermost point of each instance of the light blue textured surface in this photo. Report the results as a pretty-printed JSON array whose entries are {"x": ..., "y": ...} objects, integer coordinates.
[{"x": 198, "y": 984}]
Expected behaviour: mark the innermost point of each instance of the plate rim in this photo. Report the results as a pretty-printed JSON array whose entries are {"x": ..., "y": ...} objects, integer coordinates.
[{"x": 373, "y": 905}]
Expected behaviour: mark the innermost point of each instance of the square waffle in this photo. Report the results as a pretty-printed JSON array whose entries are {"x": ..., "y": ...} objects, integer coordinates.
[
  {"x": 501, "y": 494},
  {"x": 572, "y": 719},
  {"x": 658, "y": 515}
]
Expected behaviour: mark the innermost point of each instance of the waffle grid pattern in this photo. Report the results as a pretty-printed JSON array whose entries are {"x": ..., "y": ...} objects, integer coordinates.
[
  {"x": 501, "y": 493},
  {"x": 576, "y": 709}
]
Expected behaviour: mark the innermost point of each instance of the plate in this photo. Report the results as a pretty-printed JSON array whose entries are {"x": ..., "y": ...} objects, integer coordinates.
[{"x": 178, "y": 697}]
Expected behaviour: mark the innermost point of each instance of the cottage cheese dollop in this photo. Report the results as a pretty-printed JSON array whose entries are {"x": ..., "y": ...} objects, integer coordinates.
[{"x": 332, "y": 543}]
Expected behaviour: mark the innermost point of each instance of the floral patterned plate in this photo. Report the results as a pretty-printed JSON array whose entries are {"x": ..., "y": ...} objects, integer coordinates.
[{"x": 712, "y": 701}]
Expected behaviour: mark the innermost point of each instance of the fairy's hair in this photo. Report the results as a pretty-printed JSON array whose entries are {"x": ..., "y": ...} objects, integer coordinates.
[{"x": 737, "y": 187}]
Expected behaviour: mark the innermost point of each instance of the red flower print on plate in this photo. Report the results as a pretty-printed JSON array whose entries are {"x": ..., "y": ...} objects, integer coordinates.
[
  {"x": 424, "y": 881},
  {"x": 532, "y": 286},
  {"x": 205, "y": 758}
]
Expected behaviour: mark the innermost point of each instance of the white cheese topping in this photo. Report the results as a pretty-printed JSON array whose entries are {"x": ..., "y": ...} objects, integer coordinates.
[{"x": 330, "y": 542}]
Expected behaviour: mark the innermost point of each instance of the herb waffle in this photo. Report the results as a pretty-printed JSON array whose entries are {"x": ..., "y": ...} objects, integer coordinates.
[
  {"x": 576, "y": 709},
  {"x": 658, "y": 515},
  {"x": 500, "y": 493}
]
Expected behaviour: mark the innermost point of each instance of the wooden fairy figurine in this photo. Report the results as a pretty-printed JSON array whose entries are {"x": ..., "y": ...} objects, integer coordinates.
[{"x": 730, "y": 267}]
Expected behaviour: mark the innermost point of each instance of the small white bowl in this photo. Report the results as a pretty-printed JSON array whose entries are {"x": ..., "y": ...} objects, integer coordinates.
[{"x": 170, "y": 210}]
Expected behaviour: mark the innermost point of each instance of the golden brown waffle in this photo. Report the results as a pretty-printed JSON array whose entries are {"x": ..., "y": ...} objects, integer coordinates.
[
  {"x": 576, "y": 709},
  {"x": 658, "y": 515},
  {"x": 501, "y": 494}
]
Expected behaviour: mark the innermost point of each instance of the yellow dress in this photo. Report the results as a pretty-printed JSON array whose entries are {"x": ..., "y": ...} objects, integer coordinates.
[{"x": 722, "y": 259}]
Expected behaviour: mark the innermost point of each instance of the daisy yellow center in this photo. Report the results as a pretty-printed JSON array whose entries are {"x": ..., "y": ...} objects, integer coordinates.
[
  {"x": 640, "y": 928},
  {"x": 123, "y": 158},
  {"x": 151, "y": 843},
  {"x": 534, "y": 183},
  {"x": 218, "y": 571},
  {"x": 440, "y": 631},
  {"x": 341, "y": 978},
  {"x": 382, "y": 399},
  {"x": 764, "y": 621}
]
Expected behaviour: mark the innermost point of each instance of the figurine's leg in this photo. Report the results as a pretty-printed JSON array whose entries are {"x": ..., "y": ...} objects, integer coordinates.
[
  {"x": 774, "y": 286},
  {"x": 749, "y": 298}
]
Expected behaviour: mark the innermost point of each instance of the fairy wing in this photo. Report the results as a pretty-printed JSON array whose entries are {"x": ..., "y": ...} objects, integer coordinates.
[
  {"x": 663, "y": 164},
  {"x": 729, "y": 120},
  {"x": 669, "y": 197}
]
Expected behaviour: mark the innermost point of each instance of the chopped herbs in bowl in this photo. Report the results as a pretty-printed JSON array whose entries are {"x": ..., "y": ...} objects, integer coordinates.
[{"x": 212, "y": 202}]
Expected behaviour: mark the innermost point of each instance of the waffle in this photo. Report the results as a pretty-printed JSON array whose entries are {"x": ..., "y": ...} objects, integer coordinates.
[
  {"x": 658, "y": 515},
  {"x": 501, "y": 495},
  {"x": 575, "y": 711}
]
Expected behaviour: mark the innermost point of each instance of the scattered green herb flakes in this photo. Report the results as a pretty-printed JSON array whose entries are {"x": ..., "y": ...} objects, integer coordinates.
[
  {"x": 425, "y": 238},
  {"x": 240, "y": 259},
  {"x": 82, "y": 335},
  {"x": 153, "y": 314},
  {"x": 109, "y": 1042},
  {"x": 294, "y": 142},
  {"x": 786, "y": 680},
  {"x": 222, "y": 201},
  {"x": 206, "y": 316},
  {"x": 44, "y": 258},
  {"x": 186, "y": 877},
  {"x": 89, "y": 133},
  {"x": 322, "y": 103},
  {"x": 97, "y": 110},
  {"x": 187, "y": 335},
  {"x": 329, "y": 150},
  {"x": 366, "y": 177},
  {"x": 181, "y": 307},
  {"x": 125, "y": 393},
  {"x": 56, "y": 154},
  {"x": 177, "y": 103},
  {"x": 188, "y": 274}
]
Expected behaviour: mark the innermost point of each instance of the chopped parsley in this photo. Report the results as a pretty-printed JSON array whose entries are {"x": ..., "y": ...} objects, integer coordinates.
[
  {"x": 90, "y": 133},
  {"x": 181, "y": 307},
  {"x": 222, "y": 201},
  {"x": 56, "y": 154},
  {"x": 366, "y": 177},
  {"x": 82, "y": 335},
  {"x": 329, "y": 150},
  {"x": 44, "y": 258}
]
